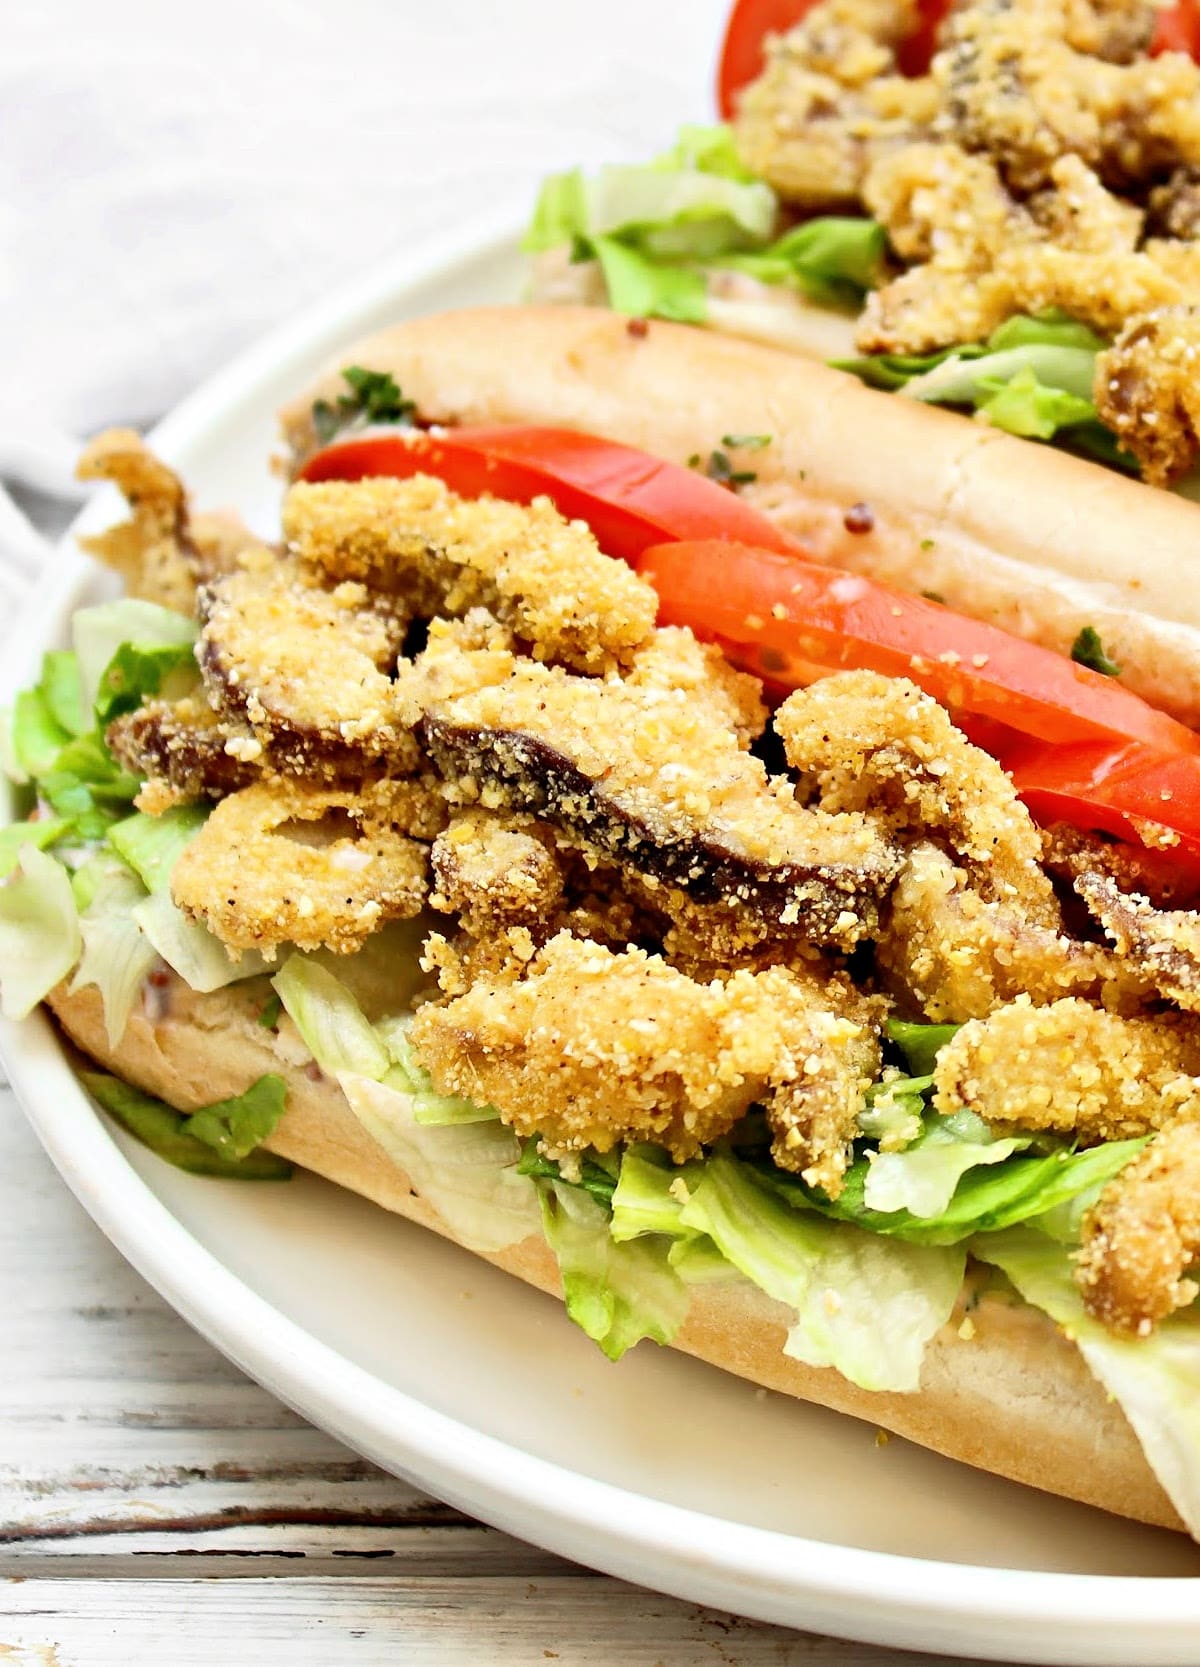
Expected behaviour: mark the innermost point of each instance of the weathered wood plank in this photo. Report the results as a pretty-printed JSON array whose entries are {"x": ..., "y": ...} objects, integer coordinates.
[
  {"x": 146, "y": 1489},
  {"x": 574, "y": 1621},
  {"x": 285, "y": 1548},
  {"x": 115, "y": 1416}
]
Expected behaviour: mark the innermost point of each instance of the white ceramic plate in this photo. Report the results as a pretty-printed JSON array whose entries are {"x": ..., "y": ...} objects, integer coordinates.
[{"x": 659, "y": 1469}]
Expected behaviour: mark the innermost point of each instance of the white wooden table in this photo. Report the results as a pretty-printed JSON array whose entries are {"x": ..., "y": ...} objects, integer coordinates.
[{"x": 159, "y": 1509}]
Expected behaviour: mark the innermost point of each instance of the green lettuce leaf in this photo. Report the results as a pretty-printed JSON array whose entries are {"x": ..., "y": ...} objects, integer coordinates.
[
  {"x": 61, "y": 687},
  {"x": 100, "y": 633},
  {"x": 650, "y": 1194},
  {"x": 334, "y": 1028},
  {"x": 863, "y": 1304},
  {"x": 1048, "y": 329},
  {"x": 136, "y": 673},
  {"x": 88, "y": 786},
  {"x": 233, "y": 1128},
  {"x": 920, "y": 1043},
  {"x": 597, "y": 1174},
  {"x": 45, "y": 831},
  {"x": 616, "y": 1293},
  {"x": 38, "y": 737},
  {"x": 975, "y": 381},
  {"x": 205, "y": 1142},
  {"x": 1033, "y": 377},
  {"x": 833, "y": 259},
  {"x": 1155, "y": 1380},
  {"x": 691, "y": 203},
  {"x": 708, "y": 150},
  {"x": 922, "y": 1179},
  {"x": 987, "y": 1198},
  {"x": 647, "y": 288},
  {"x": 431, "y": 1108},
  {"x": 151, "y": 845},
  {"x": 895, "y": 1109},
  {"x": 39, "y": 931},
  {"x": 117, "y": 954},
  {"x": 190, "y": 949},
  {"x": 468, "y": 1171}
]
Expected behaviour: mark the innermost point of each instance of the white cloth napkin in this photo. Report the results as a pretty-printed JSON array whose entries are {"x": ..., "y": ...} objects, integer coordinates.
[{"x": 175, "y": 178}]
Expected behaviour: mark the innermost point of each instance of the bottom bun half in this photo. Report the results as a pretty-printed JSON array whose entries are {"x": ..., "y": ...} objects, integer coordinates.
[{"x": 1014, "y": 1397}]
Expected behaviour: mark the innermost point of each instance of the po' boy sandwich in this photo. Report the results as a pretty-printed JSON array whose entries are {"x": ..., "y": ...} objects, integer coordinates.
[
  {"x": 630, "y": 875},
  {"x": 992, "y": 207}
]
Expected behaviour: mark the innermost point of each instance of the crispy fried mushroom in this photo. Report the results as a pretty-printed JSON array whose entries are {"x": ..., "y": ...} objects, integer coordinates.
[
  {"x": 951, "y": 955},
  {"x": 879, "y": 744},
  {"x": 1023, "y": 80},
  {"x": 1143, "y": 1236},
  {"x": 1072, "y": 1068},
  {"x": 1163, "y": 946},
  {"x": 536, "y": 571},
  {"x": 644, "y": 776},
  {"x": 830, "y": 102},
  {"x": 591, "y": 1048},
  {"x": 186, "y": 750},
  {"x": 281, "y": 862},
  {"x": 152, "y": 551},
  {"x": 673, "y": 659},
  {"x": 1070, "y": 853},
  {"x": 494, "y": 872},
  {"x": 303, "y": 667},
  {"x": 1148, "y": 390}
]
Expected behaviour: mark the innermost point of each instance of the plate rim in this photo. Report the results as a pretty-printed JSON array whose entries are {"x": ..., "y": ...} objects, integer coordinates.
[{"x": 875, "y": 1596}]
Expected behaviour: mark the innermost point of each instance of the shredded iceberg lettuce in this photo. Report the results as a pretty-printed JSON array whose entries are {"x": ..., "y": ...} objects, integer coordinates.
[
  {"x": 920, "y": 1044},
  {"x": 923, "y": 1178},
  {"x": 1155, "y": 1380},
  {"x": 617, "y": 1293},
  {"x": 61, "y": 687},
  {"x": 333, "y": 1026},
  {"x": 151, "y": 845},
  {"x": 430, "y": 1108},
  {"x": 40, "y": 938},
  {"x": 13, "y": 839},
  {"x": 468, "y": 1172},
  {"x": 660, "y": 229},
  {"x": 220, "y": 1140},
  {"x": 100, "y": 634},
  {"x": 650, "y": 1194},
  {"x": 1024, "y": 1186},
  {"x": 1034, "y": 376},
  {"x": 190, "y": 949},
  {"x": 117, "y": 954},
  {"x": 862, "y": 1304}
]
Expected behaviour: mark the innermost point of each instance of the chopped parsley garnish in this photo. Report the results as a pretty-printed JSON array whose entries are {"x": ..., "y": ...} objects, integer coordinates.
[
  {"x": 374, "y": 397},
  {"x": 745, "y": 442},
  {"x": 1088, "y": 650},
  {"x": 719, "y": 468}
]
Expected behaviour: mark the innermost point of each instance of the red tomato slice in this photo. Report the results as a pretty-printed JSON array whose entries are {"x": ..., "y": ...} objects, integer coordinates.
[
  {"x": 1178, "y": 29},
  {"x": 1118, "y": 789},
  {"x": 629, "y": 499},
  {"x": 791, "y": 621},
  {"x": 751, "y": 21}
]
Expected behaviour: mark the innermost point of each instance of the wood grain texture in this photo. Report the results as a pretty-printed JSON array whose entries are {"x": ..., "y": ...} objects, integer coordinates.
[{"x": 157, "y": 1507}]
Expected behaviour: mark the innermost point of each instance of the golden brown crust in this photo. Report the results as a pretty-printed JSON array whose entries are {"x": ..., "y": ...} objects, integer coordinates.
[
  {"x": 1023, "y": 536},
  {"x": 1011, "y": 1395}
]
